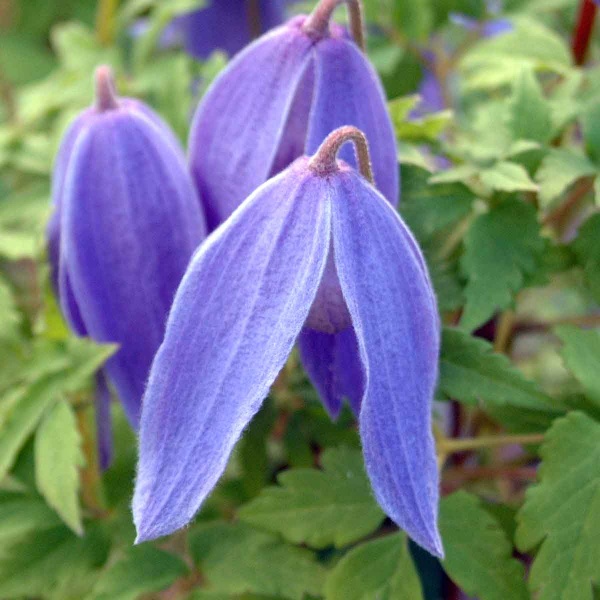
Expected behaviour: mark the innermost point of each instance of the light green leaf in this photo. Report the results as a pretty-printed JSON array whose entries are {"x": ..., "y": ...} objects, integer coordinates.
[
  {"x": 561, "y": 168},
  {"x": 590, "y": 121},
  {"x": 58, "y": 457},
  {"x": 424, "y": 129},
  {"x": 334, "y": 506},
  {"x": 529, "y": 112},
  {"x": 581, "y": 353},
  {"x": 460, "y": 174},
  {"x": 561, "y": 512},
  {"x": 587, "y": 249},
  {"x": 400, "y": 108},
  {"x": 381, "y": 569},
  {"x": 470, "y": 371},
  {"x": 9, "y": 316},
  {"x": 237, "y": 559},
  {"x": 507, "y": 176},
  {"x": 478, "y": 554},
  {"x": 502, "y": 248},
  {"x": 141, "y": 570}
]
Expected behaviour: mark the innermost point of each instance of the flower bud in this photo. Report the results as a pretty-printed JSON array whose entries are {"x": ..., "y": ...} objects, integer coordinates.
[
  {"x": 278, "y": 100},
  {"x": 126, "y": 222}
]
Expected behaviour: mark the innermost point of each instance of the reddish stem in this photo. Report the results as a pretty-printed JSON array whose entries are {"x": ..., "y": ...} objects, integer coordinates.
[
  {"x": 106, "y": 97},
  {"x": 318, "y": 21},
  {"x": 583, "y": 30}
]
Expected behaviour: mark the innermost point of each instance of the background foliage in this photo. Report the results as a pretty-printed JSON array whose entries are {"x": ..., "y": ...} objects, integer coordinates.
[{"x": 501, "y": 188}]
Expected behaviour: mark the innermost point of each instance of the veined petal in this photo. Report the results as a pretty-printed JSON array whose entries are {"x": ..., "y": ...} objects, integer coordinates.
[
  {"x": 237, "y": 128},
  {"x": 130, "y": 222},
  {"x": 233, "y": 324},
  {"x": 393, "y": 309},
  {"x": 333, "y": 364},
  {"x": 103, "y": 421},
  {"x": 348, "y": 92}
]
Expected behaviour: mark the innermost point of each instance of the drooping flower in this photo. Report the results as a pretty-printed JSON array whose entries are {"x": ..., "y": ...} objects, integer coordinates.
[
  {"x": 126, "y": 221},
  {"x": 227, "y": 25},
  {"x": 317, "y": 255},
  {"x": 278, "y": 100}
]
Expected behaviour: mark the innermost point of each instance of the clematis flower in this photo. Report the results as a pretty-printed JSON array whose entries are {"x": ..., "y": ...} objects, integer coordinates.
[
  {"x": 227, "y": 25},
  {"x": 278, "y": 100},
  {"x": 126, "y": 221},
  {"x": 316, "y": 255}
]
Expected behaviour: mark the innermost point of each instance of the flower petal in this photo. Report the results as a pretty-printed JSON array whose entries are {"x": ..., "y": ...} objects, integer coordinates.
[
  {"x": 348, "y": 92},
  {"x": 233, "y": 324},
  {"x": 332, "y": 363},
  {"x": 130, "y": 222},
  {"x": 237, "y": 128},
  {"x": 389, "y": 296}
]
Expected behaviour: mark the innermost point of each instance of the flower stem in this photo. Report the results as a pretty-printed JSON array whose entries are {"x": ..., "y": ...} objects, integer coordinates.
[
  {"x": 318, "y": 21},
  {"x": 253, "y": 15},
  {"x": 105, "y": 20},
  {"x": 583, "y": 30},
  {"x": 446, "y": 446},
  {"x": 106, "y": 98},
  {"x": 324, "y": 162}
]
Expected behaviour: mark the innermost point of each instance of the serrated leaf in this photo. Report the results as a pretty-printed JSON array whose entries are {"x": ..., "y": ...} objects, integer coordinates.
[
  {"x": 560, "y": 169},
  {"x": 507, "y": 176},
  {"x": 38, "y": 563},
  {"x": 478, "y": 554},
  {"x": 470, "y": 371},
  {"x": 58, "y": 457},
  {"x": 581, "y": 353},
  {"x": 561, "y": 512},
  {"x": 529, "y": 111},
  {"x": 334, "y": 506},
  {"x": 381, "y": 569},
  {"x": 587, "y": 249},
  {"x": 502, "y": 248},
  {"x": 141, "y": 570},
  {"x": 237, "y": 559},
  {"x": 424, "y": 129}
]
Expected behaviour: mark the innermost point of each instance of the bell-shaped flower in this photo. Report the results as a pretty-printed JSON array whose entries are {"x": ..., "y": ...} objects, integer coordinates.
[
  {"x": 278, "y": 100},
  {"x": 126, "y": 221},
  {"x": 227, "y": 25},
  {"x": 314, "y": 255}
]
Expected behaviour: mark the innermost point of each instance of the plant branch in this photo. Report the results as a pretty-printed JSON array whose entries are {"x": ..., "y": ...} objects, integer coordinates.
[{"x": 449, "y": 446}]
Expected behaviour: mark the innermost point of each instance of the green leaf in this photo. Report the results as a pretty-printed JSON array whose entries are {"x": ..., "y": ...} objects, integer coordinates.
[
  {"x": 502, "y": 248},
  {"x": 424, "y": 129},
  {"x": 561, "y": 512},
  {"x": 414, "y": 18},
  {"x": 381, "y": 569},
  {"x": 507, "y": 176},
  {"x": 141, "y": 570},
  {"x": 9, "y": 316},
  {"x": 58, "y": 457},
  {"x": 428, "y": 208},
  {"x": 581, "y": 353},
  {"x": 529, "y": 112},
  {"x": 237, "y": 559},
  {"x": 587, "y": 249},
  {"x": 478, "y": 554},
  {"x": 590, "y": 121},
  {"x": 560, "y": 169},
  {"x": 470, "y": 371},
  {"x": 334, "y": 506}
]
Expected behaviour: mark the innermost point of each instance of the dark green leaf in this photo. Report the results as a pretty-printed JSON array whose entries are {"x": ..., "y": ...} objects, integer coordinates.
[
  {"x": 561, "y": 512},
  {"x": 587, "y": 249},
  {"x": 334, "y": 506},
  {"x": 478, "y": 555},
  {"x": 381, "y": 569},
  {"x": 238, "y": 559}
]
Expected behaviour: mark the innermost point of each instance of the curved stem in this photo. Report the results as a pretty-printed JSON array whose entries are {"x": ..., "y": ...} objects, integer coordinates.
[
  {"x": 324, "y": 161},
  {"x": 106, "y": 97},
  {"x": 318, "y": 21}
]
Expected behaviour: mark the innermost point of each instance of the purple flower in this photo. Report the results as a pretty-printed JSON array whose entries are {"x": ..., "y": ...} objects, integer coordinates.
[
  {"x": 126, "y": 221},
  {"x": 278, "y": 100},
  {"x": 227, "y": 25},
  {"x": 316, "y": 254}
]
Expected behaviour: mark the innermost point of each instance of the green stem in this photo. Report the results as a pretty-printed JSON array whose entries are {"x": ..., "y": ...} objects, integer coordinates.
[
  {"x": 105, "y": 21},
  {"x": 446, "y": 446}
]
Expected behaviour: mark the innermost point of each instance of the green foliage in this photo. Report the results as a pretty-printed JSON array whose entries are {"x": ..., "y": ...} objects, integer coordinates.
[
  {"x": 471, "y": 372},
  {"x": 478, "y": 555},
  {"x": 502, "y": 248},
  {"x": 57, "y": 459},
  {"x": 381, "y": 568},
  {"x": 587, "y": 249},
  {"x": 561, "y": 512},
  {"x": 237, "y": 559},
  {"x": 319, "y": 508}
]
